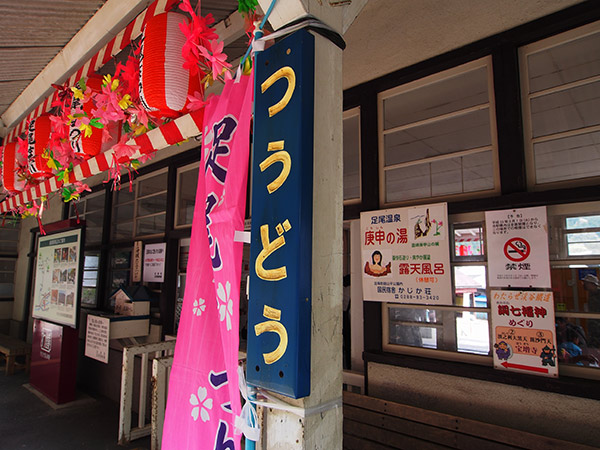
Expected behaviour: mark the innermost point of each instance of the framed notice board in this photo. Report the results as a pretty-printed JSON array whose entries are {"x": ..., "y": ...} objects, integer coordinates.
[{"x": 58, "y": 277}]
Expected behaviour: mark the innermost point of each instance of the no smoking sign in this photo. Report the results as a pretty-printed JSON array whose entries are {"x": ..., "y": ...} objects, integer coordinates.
[{"x": 517, "y": 249}]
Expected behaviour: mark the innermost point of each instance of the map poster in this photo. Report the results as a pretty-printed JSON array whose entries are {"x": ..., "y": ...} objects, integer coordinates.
[
  {"x": 517, "y": 243},
  {"x": 97, "y": 338},
  {"x": 523, "y": 333},
  {"x": 406, "y": 255},
  {"x": 56, "y": 290}
]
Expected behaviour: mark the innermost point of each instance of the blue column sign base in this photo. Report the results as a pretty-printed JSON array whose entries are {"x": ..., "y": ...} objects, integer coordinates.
[{"x": 279, "y": 313}]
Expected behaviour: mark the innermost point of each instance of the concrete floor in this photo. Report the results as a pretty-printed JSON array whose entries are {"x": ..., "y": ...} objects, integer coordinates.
[{"x": 26, "y": 422}]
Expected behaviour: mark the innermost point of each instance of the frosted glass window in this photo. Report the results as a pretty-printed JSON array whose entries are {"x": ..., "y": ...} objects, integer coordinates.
[
  {"x": 561, "y": 106},
  {"x": 438, "y": 135},
  {"x": 351, "y": 136}
]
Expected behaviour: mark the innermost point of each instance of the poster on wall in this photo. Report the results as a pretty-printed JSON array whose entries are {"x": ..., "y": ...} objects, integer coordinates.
[
  {"x": 517, "y": 242},
  {"x": 154, "y": 262},
  {"x": 406, "y": 256},
  {"x": 56, "y": 290},
  {"x": 523, "y": 333},
  {"x": 136, "y": 262}
]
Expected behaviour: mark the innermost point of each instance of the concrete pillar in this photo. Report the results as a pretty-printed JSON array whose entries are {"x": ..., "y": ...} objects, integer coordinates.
[{"x": 322, "y": 430}]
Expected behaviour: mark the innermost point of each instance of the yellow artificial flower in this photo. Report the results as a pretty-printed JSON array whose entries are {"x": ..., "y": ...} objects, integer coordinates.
[
  {"x": 247, "y": 68},
  {"x": 50, "y": 161},
  {"x": 139, "y": 129},
  {"x": 52, "y": 164},
  {"x": 86, "y": 128},
  {"x": 108, "y": 81},
  {"x": 125, "y": 102},
  {"x": 77, "y": 93}
]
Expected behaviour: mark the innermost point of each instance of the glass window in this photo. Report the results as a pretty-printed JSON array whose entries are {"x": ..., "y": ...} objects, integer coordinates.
[
  {"x": 468, "y": 241},
  {"x": 142, "y": 211},
  {"x": 561, "y": 108},
  {"x": 91, "y": 209},
  {"x": 120, "y": 269},
  {"x": 351, "y": 130},
  {"x": 463, "y": 327},
  {"x": 89, "y": 290},
  {"x": 462, "y": 331},
  {"x": 184, "y": 256},
  {"x": 7, "y": 277},
  {"x": 9, "y": 237},
  {"x": 187, "y": 183},
  {"x": 437, "y": 135},
  {"x": 439, "y": 329}
]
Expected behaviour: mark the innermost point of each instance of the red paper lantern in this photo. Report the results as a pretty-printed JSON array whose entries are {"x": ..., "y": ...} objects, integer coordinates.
[
  {"x": 10, "y": 166},
  {"x": 90, "y": 146},
  {"x": 164, "y": 83},
  {"x": 38, "y": 135}
]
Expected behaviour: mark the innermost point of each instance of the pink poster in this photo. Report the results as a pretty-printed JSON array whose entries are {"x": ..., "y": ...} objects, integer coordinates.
[{"x": 203, "y": 396}]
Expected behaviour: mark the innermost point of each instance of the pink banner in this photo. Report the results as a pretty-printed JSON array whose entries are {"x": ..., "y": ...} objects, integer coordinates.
[{"x": 203, "y": 390}]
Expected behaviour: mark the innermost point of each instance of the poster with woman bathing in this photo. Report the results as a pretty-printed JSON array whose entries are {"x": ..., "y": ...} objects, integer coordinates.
[{"x": 406, "y": 255}]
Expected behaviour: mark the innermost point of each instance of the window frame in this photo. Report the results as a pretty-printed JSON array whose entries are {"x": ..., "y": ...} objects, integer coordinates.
[
  {"x": 524, "y": 52},
  {"x": 569, "y": 370},
  {"x": 465, "y": 219},
  {"x": 181, "y": 170},
  {"x": 587, "y": 208},
  {"x": 347, "y": 114},
  {"x": 484, "y": 62},
  {"x": 135, "y": 218}
]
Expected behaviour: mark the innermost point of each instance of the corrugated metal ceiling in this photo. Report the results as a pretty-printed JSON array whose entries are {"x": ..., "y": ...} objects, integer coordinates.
[{"x": 32, "y": 32}]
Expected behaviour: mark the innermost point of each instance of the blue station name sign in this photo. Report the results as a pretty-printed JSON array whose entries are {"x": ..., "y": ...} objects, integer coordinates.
[{"x": 279, "y": 312}]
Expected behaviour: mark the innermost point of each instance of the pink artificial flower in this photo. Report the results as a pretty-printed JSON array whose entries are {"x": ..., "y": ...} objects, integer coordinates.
[
  {"x": 123, "y": 151},
  {"x": 146, "y": 157},
  {"x": 129, "y": 73},
  {"x": 22, "y": 148},
  {"x": 81, "y": 187},
  {"x": 63, "y": 153},
  {"x": 197, "y": 32},
  {"x": 141, "y": 115},
  {"x": 106, "y": 136},
  {"x": 196, "y": 101},
  {"x": 215, "y": 58},
  {"x": 107, "y": 104}
]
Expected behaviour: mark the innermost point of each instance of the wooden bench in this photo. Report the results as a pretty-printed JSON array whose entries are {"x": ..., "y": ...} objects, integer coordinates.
[
  {"x": 374, "y": 424},
  {"x": 10, "y": 348}
]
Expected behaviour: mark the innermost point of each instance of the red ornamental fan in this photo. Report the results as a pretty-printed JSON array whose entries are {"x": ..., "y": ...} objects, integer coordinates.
[
  {"x": 10, "y": 166},
  {"x": 38, "y": 135},
  {"x": 87, "y": 147},
  {"x": 164, "y": 83}
]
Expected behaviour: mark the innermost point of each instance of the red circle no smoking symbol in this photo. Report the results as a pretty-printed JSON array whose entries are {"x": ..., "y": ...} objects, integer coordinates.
[{"x": 517, "y": 249}]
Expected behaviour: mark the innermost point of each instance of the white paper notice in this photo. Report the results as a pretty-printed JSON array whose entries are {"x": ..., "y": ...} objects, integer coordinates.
[
  {"x": 154, "y": 262},
  {"x": 97, "y": 337},
  {"x": 517, "y": 242}
]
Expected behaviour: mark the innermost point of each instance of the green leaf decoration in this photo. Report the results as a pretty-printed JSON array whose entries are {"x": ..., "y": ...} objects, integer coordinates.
[
  {"x": 67, "y": 194},
  {"x": 246, "y": 6},
  {"x": 95, "y": 122}
]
